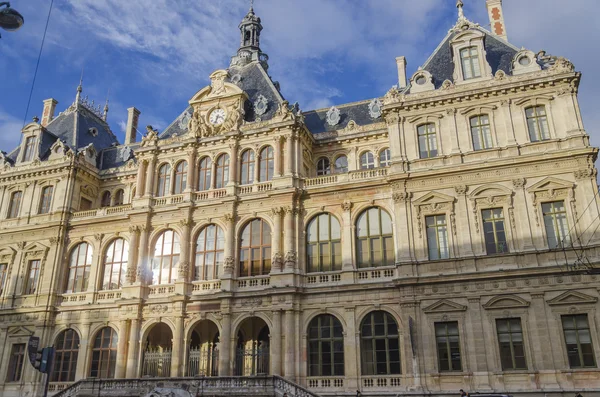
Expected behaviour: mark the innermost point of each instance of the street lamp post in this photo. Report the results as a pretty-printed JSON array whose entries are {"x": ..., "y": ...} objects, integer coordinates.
[{"x": 10, "y": 19}]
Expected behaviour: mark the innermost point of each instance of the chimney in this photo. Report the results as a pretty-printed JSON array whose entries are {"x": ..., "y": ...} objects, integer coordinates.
[
  {"x": 401, "y": 63},
  {"x": 132, "y": 123},
  {"x": 494, "y": 9},
  {"x": 48, "y": 112}
]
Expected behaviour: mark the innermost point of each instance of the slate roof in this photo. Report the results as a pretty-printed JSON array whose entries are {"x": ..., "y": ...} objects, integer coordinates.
[{"x": 316, "y": 122}]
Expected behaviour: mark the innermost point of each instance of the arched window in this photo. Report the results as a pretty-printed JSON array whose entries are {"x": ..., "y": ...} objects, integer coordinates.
[
  {"x": 15, "y": 204},
  {"x": 325, "y": 346},
  {"x": 323, "y": 166},
  {"x": 255, "y": 249},
  {"x": 247, "y": 175},
  {"x": 323, "y": 244},
  {"x": 374, "y": 239},
  {"x": 115, "y": 264},
  {"x": 379, "y": 345},
  {"x": 267, "y": 161},
  {"x": 480, "y": 132},
  {"x": 385, "y": 158},
  {"x": 222, "y": 171},
  {"x": 367, "y": 161},
  {"x": 166, "y": 258},
  {"x": 180, "y": 177},
  {"x": 104, "y": 354},
  {"x": 46, "y": 200},
  {"x": 537, "y": 123},
  {"x": 210, "y": 247},
  {"x": 65, "y": 356},
  {"x": 163, "y": 187},
  {"x": 341, "y": 165},
  {"x": 204, "y": 174},
  {"x": 105, "y": 202},
  {"x": 80, "y": 264},
  {"x": 119, "y": 197}
]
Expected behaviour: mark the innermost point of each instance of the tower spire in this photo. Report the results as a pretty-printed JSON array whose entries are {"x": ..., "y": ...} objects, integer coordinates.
[
  {"x": 461, "y": 13},
  {"x": 79, "y": 89},
  {"x": 249, "y": 50},
  {"x": 105, "y": 114}
]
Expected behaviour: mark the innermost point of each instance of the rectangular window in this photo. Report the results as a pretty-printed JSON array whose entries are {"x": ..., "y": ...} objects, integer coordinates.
[
  {"x": 14, "y": 205},
  {"x": 427, "y": 141},
  {"x": 46, "y": 199},
  {"x": 494, "y": 232},
  {"x": 510, "y": 340},
  {"x": 437, "y": 237},
  {"x": 555, "y": 223},
  {"x": 448, "y": 346},
  {"x": 85, "y": 204},
  {"x": 537, "y": 123},
  {"x": 470, "y": 63},
  {"x": 579, "y": 341},
  {"x": 15, "y": 362},
  {"x": 29, "y": 149},
  {"x": 33, "y": 276},
  {"x": 480, "y": 132},
  {"x": 3, "y": 274}
]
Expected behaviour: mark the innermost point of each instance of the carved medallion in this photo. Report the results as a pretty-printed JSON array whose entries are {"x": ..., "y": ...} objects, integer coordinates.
[
  {"x": 261, "y": 105},
  {"x": 333, "y": 116},
  {"x": 375, "y": 108}
]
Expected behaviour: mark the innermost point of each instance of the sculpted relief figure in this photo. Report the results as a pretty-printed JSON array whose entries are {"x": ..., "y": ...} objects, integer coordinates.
[{"x": 197, "y": 127}]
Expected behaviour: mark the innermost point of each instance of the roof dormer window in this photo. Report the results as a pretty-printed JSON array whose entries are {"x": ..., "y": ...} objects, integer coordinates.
[
  {"x": 29, "y": 149},
  {"x": 469, "y": 58}
]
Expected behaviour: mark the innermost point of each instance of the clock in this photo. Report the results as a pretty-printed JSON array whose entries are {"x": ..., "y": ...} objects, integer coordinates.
[{"x": 217, "y": 116}]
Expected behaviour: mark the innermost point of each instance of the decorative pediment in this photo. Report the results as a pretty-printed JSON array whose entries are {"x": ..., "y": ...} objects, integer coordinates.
[
  {"x": 572, "y": 298},
  {"x": 444, "y": 306},
  {"x": 19, "y": 331},
  {"x": 217, "y": 89},
  {"x": 505, "y": 302},
  {"x": 550, "y": 183},
  {"x": 90, "y": 191},
  {"x": 31, "y": 128},
  {"x": 88, "y": 154},
  {"x": 58, "y": 150},
  {"x": 434, "y": 198},
  {"x": 7, "y": 255},
  {"x": 35, "y": 250},
  {"x": 523, "y": 62},
  {"x": 421, "y": 81}
]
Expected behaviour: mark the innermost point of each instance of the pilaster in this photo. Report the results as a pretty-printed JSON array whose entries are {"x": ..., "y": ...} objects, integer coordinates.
[
  {"x": 132, "y": 349},
  {"x": 275, "y": 341},
  {"x": 225, "y": 354}
]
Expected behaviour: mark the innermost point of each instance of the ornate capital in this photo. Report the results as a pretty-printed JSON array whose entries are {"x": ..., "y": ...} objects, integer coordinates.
[
  {"x": 134, "y": 229},
  {"x": 277, "y": 261},
  {"x": 290, "y": 259},
  {"x": 401, "y": 197},
  {"x": 55, "y": 240},
  {"x": 229, "y": 265},
  {"x": 185, "y": 222},
  {"x": 183, "y": 271},
  {"x": 98, "y": 236},
  {"x": 460, "y": 189},
  {"x": 451, "y": 111},
  {"x": 519, "y": 183},
  {"x": 347, "y": 205},
  {"x": 21, "y": 245},
  {"x": 585, "y": 174},
  {"x": 277, "y": 211},
  {"x": 229, "y": 217},
  {"x": 392, "y": 117}
]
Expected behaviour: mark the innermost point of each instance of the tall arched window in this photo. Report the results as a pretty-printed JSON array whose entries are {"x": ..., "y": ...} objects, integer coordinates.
[
  {"x": 210, "y": 247},
  {"x": 180, "y": 177},
  {"x": 15, "y": 204},
  {"x": 204, "y": 174},
  {"x": 341, "y": 165},
  {"x": 163, "y": 187},
  {"x": 267, "y": 161},
  {"x": 247, "y": 175},
  {"x": 119, "y": 197},
  {"x": 80, "y": 263},
  {"x": 222, "y": 171},
  {"x": 323, "y": 166},
  {"x": 374, "y": 239},
  {"x": 367, "y": 161},
  {"x": 255, "y": 249},
  {"x": 325, "y": 346},
  {"x": 323, "y": 244},
  {"x": 65, "y": 356},
  {"x": 385, "y": 158},
  {"x": 105, "y": 202},
  {"x": 104, "y": 354},
  {"x": 166, "y": 258},
  {"x": 379, "y": 345},
  {"x": 115, "y": 264}
]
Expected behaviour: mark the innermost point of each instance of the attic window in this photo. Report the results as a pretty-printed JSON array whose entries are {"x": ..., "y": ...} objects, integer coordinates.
[
  {"x": 93, "y": 131},
  {"x": 524, "y": 61},
  {"x": 470, "y": 63},
  {"x": 421, "y": 80},
  {"x": 29, "y": 148}
]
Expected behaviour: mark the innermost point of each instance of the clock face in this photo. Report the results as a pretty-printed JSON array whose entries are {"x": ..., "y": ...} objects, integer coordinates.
[{"x": 217, "y": 117}]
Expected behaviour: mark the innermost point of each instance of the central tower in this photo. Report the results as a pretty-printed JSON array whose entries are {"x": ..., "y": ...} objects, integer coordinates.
[{"x": 249, "y": 50}]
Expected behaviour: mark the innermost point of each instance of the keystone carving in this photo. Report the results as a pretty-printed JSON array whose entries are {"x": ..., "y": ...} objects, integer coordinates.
[
  {"x": 519, "y": 183},
  {"x": 346, "y": 205}
]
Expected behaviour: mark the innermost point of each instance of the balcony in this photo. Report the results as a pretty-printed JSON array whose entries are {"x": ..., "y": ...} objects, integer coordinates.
[
  {"x": 253, "y": 283},
  {"x": 205, "y": 287},
  {"x": 352, "y": 176},
  {"x": 161, "y": 290},
  {"x": 255, "y": 188}
]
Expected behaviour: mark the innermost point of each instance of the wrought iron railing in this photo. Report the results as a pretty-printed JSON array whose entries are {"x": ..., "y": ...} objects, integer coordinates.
[
  {"x": 252, "y": 361},
  {"x": 203, "y": 362},
  {"x": 157, "y": 363}
]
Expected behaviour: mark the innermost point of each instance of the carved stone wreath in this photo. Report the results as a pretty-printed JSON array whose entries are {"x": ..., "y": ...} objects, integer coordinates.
[
  {"x": 261, "y": 105},
  {"x": 184, "y": 119},
  {"x": 375, "y": 108},
  {"x": 333, "y": 116}
]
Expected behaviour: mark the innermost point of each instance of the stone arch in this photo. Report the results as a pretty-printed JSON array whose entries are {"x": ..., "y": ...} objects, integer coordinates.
[
  {"x": 333, "y": 312},
  {"x": 362, "y": 313},
  {"x": 150, "y": 323}
]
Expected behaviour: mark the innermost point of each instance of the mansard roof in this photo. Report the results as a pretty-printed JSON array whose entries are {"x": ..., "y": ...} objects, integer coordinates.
[{"x": 316, "y": 120}]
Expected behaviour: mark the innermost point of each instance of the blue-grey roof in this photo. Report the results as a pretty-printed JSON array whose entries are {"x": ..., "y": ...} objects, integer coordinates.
[
  {"x": 116, "y": 156},
  {"x": 316, "y": 123}
]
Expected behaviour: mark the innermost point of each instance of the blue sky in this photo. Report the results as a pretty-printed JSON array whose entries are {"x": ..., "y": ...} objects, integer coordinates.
[{"x": 155, "y": 55}]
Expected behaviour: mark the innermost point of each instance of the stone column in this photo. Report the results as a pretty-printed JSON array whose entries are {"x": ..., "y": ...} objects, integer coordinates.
[
  {"x": 134, "y": 246},
  {"x": 121, "y": 366},
  {"x": 184, "y": 263},
  {"x": 289, "y": 245},
  {"x": 351, "y": 356},
  {"x": 477, "y": 346},
  {"x": 522, "y": 220},
  {"x": 177, "y": 356},
  {"x": 149, "y": 182},
  {"x": 82, "y": 358},
  {"x": 451, "y": 113},
  {"x": 403, "y": 247},
  {"x": 299, "y": 157},
  {"x": 392, "y": 119},
  {"x": 347, "y": 241},
  {"x": 256, "y": 169},
  {"x": 278, "y": 156},
  {"x": 289, "y": 155},
  {"x": 465, "y": 244},
  {"x": 139, "y": 186},
  {"x": 290, "y": 350},
  {"x": 508, "y": 122},
  {"x": 225, "y": 356},
  {"x": 95, "y": 272},
  {"x": 132, "y": 349},
  {"x": 192, "y": 179},
  {"x": 143, "y": 266},
  {"x": 275, "y": 341},
  {"x": 229, "y": 251},
  {"x": 277, "y": 262},
  {"x": 233, "y": 163}
]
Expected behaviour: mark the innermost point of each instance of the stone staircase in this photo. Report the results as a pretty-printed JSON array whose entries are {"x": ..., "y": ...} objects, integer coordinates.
[{"x": 241, "y": 386}]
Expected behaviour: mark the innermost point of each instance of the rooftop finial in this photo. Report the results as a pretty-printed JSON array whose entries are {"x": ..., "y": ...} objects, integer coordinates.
[
  {"x": 251, "y": 5},
  {"x": 105, "y": 114},
  {"x": 461, "y": 13},
  {"x": 79, "y": 89}
]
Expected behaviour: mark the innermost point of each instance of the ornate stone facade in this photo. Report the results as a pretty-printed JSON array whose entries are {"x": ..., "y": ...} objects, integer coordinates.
[{"x": 473, "y": 206}]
